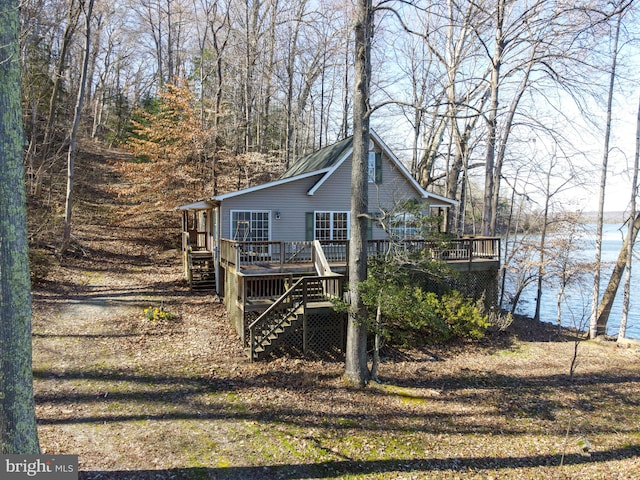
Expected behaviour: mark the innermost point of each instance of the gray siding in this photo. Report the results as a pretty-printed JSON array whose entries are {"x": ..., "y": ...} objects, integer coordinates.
[{"x": 292, "y": 201}]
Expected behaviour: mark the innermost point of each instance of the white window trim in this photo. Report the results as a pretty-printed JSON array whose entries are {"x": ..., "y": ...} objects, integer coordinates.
[
  {"x": 371, "y": 167},
  {"x": 400, "y": 228},
  {"x": 232, "y": 212},
  {"x": 331, "y": 212}
]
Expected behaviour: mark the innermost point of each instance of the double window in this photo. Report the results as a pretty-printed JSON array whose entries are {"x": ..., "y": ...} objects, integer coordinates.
[
  {"x": 405, "y": 226},
  {"x": 328, "y": 225},
  {"x": 250, "y": 225}
]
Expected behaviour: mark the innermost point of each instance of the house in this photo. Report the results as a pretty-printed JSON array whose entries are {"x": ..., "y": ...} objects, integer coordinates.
[{"x": 254, "y": 245}]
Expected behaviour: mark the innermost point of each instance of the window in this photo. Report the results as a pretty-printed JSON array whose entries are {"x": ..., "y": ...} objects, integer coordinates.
[
  {"x": 415, "y": 225},
  {"x": 372, "y": 167},
  {"x": 331, "y": 225},
  {"x": 375, "y": 167},
  {"x": 250, "y": 226},
  {"x": 405, "y": 226}
]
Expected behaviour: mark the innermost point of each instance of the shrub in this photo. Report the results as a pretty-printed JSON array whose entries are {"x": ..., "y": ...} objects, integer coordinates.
[
  {"x": 411, "y": 313},
  {"x": 412, "y": 316},
  {"x": 462, "y": 315}
]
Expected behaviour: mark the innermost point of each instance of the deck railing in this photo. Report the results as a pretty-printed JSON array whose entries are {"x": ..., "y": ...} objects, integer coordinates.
[
  {"x": 262, "y": 287},
  {"x": 280, "y": 254},
  {"x": 469, "y": 249},
  {"x": 274, "y": 253}
]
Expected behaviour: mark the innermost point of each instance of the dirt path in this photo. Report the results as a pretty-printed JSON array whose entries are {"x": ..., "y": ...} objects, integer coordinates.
[{"x": 100, "y": 366}]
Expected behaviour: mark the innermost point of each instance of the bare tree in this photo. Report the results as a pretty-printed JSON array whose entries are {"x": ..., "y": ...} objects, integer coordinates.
[
  {"x": 488, "y": 217},
  {"x": 550, "y": 191},
  {"x": 563, "y": 268},
  {"x": 356, "y": 368},
  {"x": 150, "y": 12},
  {"x": 73, "y": 15},
  {"x": 66, "y": 237},
  {"x": 292, "y": 55},
  {"x": 632, "y": 214},
  {"x": 596, "y": 326}
]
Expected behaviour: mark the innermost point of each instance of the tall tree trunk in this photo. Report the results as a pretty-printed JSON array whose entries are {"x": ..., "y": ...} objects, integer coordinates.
[
  {"x": 292, "y": 55},
  {"x": 543, "y": 246},
  {"x": 598, "y": 321},
  {"x": 634, "y": 193},
  {"x": 488, "y": 222},
  {"x": 170, "y": 55},
  {"x": 66, "y": 238},
  {"x": 268, "y": 81},
  {"x": 73, "y": 15},
  {"x": 507, "y": 239},
  {"x": 158, "y": 38},
  {"x": 252, "y": 14},
  {"x": 18, "y": 433},
  {"x": 219, "y": 49},
  {"x": 504, "y": 139},
  {"x": 344, "y": 125},
  {"x": 356, "y": 369}
]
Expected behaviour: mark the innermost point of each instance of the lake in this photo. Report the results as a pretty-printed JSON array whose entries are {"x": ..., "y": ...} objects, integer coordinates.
[{"x": 577, "y": 307}]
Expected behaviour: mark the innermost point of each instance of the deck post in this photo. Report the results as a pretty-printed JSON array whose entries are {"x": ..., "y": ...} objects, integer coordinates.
[
  {"x": 282, "y": 254},
  {"x": 189, "y": 266},
  {"x": 305, "y": 329},
  {"x": 252, "y": 344},
  {"x": 242, "y": 295}
]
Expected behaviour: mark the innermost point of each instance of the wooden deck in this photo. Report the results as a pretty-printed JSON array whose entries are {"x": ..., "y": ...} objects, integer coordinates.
[
  {"x": 258, "y": 258},
  {"x": 277, "y": 293}
]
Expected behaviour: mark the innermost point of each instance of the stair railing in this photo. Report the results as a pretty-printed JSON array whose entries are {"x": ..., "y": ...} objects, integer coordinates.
[
  {"x": 320, "y": 262},
  {"x": 283, "y": 309},
  {"x": 274, "y": 317}
]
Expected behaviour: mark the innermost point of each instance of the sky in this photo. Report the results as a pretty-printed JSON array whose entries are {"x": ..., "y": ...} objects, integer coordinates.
[
  {"x": 621, "y": 158},
  {"x": 584, "y": 142}
]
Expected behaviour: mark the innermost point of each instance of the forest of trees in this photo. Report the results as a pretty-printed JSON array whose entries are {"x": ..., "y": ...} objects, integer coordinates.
[
  {"x": 500, "y": 104},
  {"x": 478, "y": 97}
]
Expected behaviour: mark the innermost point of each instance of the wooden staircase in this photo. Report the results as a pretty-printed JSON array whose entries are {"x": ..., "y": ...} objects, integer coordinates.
[
  {"x": 283, "y": 323},
  {"x": 202, "y": 272}
]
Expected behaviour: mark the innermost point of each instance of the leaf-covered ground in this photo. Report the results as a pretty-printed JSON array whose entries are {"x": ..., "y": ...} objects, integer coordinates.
[{"x": 138, "y": 399}]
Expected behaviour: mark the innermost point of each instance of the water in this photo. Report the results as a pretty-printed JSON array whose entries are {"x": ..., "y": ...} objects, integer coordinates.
[{"x": 577, "y": 305}]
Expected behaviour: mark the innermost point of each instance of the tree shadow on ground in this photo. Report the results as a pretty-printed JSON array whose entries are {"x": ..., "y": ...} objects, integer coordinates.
[
  {"x": 165, "y": 398},
  {"x": 332, "y": 469}
]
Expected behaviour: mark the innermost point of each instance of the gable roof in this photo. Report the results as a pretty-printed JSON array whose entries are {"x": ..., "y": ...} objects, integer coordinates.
[
  {"x": 319, "y": 160},
  {"x": 326, "y": 161}
]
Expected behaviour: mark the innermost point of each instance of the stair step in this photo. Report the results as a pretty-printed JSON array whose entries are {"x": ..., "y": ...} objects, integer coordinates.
[{"x": 274, "y": 331}]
